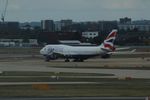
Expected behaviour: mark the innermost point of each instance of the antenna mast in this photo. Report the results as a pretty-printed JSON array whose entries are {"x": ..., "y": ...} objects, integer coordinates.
[{"x": 4, "y": 11}]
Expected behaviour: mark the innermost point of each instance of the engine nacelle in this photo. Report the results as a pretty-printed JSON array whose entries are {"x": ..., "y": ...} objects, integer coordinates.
[
  {"x": 53, "y": 57},
  {"x": 105, "y": 56},
  {"x": 50, "y": 57}
]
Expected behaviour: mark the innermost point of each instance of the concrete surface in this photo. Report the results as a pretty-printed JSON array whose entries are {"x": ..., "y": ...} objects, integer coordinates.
[{"x": 57, "y": 66}]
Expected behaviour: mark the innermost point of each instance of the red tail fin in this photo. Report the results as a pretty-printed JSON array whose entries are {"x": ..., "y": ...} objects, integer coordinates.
[{"x": 109, "y": 41}]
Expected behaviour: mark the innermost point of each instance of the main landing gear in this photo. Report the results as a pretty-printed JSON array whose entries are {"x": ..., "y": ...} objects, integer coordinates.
[
  {"x": 67, "y": 60},
  {"x": 78, "y": 60},
  {"x": 75, "y": 60},
  {"x": 47, "y": 58}
]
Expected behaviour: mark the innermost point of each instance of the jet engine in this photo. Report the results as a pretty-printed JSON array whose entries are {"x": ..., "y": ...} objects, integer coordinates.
[
  {"x": 50, "y": 57},
  {"x": 53, "y": 56}
]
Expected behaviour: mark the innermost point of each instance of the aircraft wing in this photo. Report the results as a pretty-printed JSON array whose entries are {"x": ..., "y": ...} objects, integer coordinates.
[
  {"x": 123, "y": 48},
  {"x": 123, "y": 52}
]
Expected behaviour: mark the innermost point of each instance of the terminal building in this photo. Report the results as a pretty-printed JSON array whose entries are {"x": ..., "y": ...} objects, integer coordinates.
[{"x": 127, "y": 24}]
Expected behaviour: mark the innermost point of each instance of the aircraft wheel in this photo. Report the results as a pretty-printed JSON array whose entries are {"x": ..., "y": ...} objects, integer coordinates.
[
  {"x": 67, "y": 60},
  {"x": 47, "y": 59},
  {"x": 78, "y": 60},
  {"x": 75, "y": 60},
  {"x": 81, "y": 60}
]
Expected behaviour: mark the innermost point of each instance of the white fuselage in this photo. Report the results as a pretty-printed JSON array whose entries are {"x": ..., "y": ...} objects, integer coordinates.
[{"x": 71, "y": 50}]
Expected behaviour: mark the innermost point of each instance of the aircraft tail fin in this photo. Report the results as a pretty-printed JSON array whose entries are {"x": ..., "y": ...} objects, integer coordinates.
[{"x": 108, "y": 44}]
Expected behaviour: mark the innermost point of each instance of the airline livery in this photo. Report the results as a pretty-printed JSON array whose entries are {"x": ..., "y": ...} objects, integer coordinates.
[{"x": 80, "y": 53}]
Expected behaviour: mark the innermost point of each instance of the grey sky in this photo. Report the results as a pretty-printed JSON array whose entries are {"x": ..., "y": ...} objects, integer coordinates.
[{"x": 78, "y": 10}]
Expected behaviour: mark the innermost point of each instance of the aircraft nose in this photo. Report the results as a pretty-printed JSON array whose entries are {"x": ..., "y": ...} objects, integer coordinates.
[{"x": 41, "y": 51}]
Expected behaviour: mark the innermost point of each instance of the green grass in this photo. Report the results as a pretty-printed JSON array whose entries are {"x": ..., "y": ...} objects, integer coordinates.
[
  {"x": 78, "y": 90},
  {"x": 107, "y": 87}
]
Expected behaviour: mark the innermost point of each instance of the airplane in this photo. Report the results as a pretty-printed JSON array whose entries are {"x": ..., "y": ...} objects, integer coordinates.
[{"x": 80, "y": 53}]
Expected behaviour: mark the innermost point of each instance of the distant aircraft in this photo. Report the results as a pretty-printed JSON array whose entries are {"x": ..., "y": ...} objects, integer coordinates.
[{"x": 80, "y": 53}]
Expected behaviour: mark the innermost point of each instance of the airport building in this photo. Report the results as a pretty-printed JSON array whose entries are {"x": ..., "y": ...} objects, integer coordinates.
[
  {"x": 107, "y": 26},
  {"x": 125, "y": 20},
  {"x": 9, "y": 26},
  {"x": 66, "y": 25},
  {"x": 30, "y": 25},
  {"x": 75, "y": 43},
  {"x": 135, "y": 25},
  {"x": 66, "y": 22},
  {"x": 48, "y": 25},
  {"x": 18, "y": 43},
  {"x": 89, "y": 34},
  {"x": 140, "y": 25},
  {"x": 57, "y": 26}
]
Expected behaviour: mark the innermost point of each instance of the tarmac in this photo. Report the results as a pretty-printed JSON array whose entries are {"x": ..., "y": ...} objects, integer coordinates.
[
  {"x": 50, "y": 83},
  {"x": 137, "y": 67},
  {"x": 38, "y": 65}
]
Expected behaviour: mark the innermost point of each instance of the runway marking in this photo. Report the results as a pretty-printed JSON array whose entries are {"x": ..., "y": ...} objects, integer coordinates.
[
  {"x": 51, "y": 83},
  {"x": 58, "y": 76}
]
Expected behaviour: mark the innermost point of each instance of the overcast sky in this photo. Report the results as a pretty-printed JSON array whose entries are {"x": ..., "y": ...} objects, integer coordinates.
[{"x": 78, "y": 10}]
